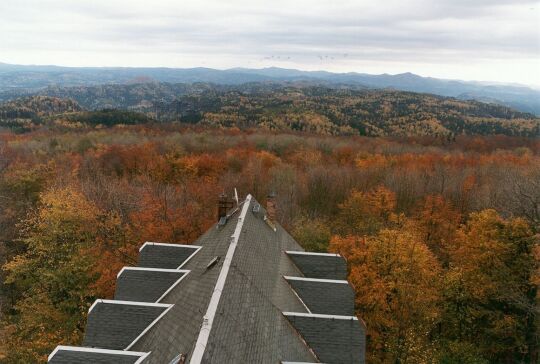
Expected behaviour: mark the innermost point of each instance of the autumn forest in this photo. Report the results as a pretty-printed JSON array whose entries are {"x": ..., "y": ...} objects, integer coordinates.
[
  {"x": 270, "y": 182},
  {"x": 440, "y": 235}
]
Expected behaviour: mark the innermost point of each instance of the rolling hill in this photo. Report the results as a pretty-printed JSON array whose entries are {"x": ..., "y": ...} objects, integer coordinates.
[
  {"x": 298, "y": 106},
  {"x": 23, "y": 79}
]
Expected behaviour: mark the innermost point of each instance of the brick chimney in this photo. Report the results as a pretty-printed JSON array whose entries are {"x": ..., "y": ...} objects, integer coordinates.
[
  {"x": 271, "y": 207},
  {"x": 223, "y": 206}
]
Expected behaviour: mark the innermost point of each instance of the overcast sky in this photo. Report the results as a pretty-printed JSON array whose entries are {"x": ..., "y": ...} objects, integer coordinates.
[{"x": 492, "y": 40}]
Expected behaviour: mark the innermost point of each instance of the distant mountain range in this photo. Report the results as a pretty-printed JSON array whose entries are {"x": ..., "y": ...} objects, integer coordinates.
[{"x": 17, "y": 79}]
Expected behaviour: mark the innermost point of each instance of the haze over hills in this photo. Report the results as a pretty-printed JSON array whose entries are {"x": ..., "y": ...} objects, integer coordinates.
[{"x": 17, "y": 79}]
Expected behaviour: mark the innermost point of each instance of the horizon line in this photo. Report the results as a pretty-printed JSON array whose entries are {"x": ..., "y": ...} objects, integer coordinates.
[{"x": 485, "y": 82}]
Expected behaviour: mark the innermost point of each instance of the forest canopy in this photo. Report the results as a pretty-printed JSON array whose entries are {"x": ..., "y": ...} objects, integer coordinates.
[{"x": 441, "y": 236}]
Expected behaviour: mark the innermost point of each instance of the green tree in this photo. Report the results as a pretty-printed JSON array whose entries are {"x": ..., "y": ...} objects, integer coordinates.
[
  {"x": 490, "y": 295},
  {"x": 54, "y": 276},
  {"x": 365, "y": 213},
  {"x": 313, "y": 234}
]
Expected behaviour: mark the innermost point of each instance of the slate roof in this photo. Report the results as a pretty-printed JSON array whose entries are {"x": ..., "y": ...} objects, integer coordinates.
[
  {"x": 146, "y": 284},
  {"x": 319, "y": 265},
  {"x": 245, "y": 292},
  {"x": 328, "y": 335},
  {"x": 119, "y": 324},
  {"x": 71, "y": 354},
  {"x": 324, "y": 296}
]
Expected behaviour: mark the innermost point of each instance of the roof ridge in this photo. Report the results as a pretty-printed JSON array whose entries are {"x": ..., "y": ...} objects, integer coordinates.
[{"x": 208, "y": 318}]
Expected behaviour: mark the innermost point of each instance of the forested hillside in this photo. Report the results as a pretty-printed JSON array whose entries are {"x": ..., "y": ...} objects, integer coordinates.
[
  {"x": 294, "y": 107},
  {"x": 347, "y": 112},
  {"x": 31, "y": 78},
  {"x": 441, "y": 237},
  {"x": 27, "y": 113},
  {"x": 137, "y": 95},
  {"x": 33, "y": 113}
]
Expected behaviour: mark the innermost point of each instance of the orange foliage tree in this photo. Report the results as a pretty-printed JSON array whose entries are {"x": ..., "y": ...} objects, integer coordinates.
[
  {"x": 396, "y": 279},
  {"x": 438, "y": 221}
]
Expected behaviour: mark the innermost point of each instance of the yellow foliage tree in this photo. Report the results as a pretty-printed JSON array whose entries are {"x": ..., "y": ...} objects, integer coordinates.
[
  {"x": 396, "y": 280},
  {"x": 66, "y": 265},
  {"x": 365, "y": 213}
]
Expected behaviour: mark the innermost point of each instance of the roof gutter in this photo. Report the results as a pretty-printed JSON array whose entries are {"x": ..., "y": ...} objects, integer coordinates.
[{"x": 208, "y": 320}]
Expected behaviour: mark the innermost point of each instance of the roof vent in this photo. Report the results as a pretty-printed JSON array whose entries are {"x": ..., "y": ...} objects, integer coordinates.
[
  {"x": 179, "y": 359},
  {"x": 213, "y": 262},
  {"x": 256, "y": 208}
]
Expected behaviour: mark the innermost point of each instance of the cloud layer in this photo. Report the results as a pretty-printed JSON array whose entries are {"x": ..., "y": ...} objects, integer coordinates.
[{"x": 496, "y": 40}]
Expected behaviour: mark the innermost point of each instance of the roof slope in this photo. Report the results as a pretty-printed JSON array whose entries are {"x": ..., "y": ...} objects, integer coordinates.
[
  {"x": 252, "y": 328},
  {"x": 72, "y": 354},
  {"x": 119, "y": 324},
  {"x": 231, "y": 303},
  {"x": 146, "y": 284},
  {"x": 324, "y": 296}
]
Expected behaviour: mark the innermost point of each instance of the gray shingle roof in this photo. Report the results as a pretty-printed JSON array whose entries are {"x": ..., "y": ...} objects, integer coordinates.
[
  {"x": 233, "y": 311},
  {"x": 179, "y": 332},
  {"x": 335, "y": 339},
  {"x": 170, "y": 256},
  {"x": 319, "y": 265},
  {"x": 252, "y": 328},
  {"x": 146, "y": 284},
  {"x": 332, "y": 297},
  {"x": 117, "y": 324},
  {"x": 77, "y": 355}
]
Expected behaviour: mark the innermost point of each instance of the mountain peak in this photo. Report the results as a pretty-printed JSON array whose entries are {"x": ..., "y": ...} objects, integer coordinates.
[{"x": 408, "y": 74}]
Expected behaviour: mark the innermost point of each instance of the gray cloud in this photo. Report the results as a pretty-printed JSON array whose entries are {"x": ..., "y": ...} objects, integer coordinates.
[{"x": 452, "y": 38}]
